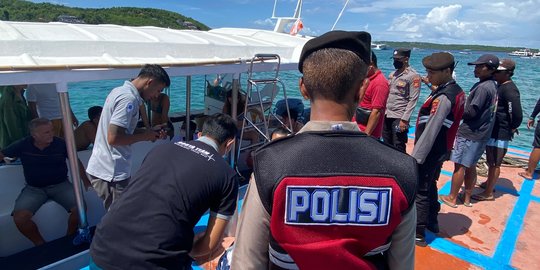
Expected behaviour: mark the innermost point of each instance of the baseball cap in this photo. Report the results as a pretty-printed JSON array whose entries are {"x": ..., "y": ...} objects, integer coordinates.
[
  {"x": 486, "y": 59},
  {"x": 507, "y": 64},
  {"x": 438, "y": 61},
  {"x": 401, "y": 52},
  {"x": 358, "y": 42}
]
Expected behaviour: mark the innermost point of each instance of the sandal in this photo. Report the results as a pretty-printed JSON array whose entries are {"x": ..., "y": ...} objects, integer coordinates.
[
  {"x": 480, "y": 197},
  {"x": 461, "y": 199},
  {"x": 444, "y": 199},
  {"x": 484, "y": 185},
  {"x": 522, "y": 174}
]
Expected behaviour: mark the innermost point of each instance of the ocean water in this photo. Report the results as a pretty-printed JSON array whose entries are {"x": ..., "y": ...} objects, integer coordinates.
[{"x": 527, "y": 77}]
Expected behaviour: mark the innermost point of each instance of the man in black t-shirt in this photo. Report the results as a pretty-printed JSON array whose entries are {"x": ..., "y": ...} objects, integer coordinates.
[
  {"x": 508, "y": 117},
  {"x": 151, "y": 225},
  {"x": 43, "y": 158}
]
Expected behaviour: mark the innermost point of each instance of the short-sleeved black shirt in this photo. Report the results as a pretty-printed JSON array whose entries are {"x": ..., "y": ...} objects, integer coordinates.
[
  {"x": 41, "y": 167},
  {"x": 151, "y": 225},
  {"x": 483, "y": 96}
]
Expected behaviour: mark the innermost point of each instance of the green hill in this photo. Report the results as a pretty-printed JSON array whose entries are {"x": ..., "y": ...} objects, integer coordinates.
[{"x": 19, "y": 10}]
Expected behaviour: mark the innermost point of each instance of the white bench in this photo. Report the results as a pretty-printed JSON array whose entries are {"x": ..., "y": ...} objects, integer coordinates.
[{"x": 51, "y": 218}]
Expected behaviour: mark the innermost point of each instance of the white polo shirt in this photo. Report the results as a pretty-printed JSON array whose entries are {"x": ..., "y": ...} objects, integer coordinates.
[
  {"x": 108, "y": 162},
  {"x": 46, "y": 99}
]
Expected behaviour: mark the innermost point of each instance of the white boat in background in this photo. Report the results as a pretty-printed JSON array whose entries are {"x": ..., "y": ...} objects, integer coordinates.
[
  {"x": 536, "y": 55},
  {"x": 378, "y": 46},
  {"x": 521, "y": 53}
]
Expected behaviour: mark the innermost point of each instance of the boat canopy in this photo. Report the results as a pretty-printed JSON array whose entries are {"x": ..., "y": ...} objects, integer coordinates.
[{"x": 32, "y": 52}]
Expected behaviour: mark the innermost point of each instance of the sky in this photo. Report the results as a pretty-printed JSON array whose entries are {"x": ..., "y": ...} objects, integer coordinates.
[{"x": 509, "y": 23}]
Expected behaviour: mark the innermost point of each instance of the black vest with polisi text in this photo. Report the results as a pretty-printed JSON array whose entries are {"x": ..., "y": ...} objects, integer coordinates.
[
  {"x": 445, "y": 138},
  {"x": 333, "y": 192}
]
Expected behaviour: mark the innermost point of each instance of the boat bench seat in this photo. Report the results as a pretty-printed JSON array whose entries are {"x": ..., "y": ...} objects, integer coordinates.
[{"x": 51, "y": 218}]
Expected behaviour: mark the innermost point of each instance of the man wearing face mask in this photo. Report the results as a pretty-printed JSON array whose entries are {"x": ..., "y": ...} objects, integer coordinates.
[{"x": 404, "y": 91}]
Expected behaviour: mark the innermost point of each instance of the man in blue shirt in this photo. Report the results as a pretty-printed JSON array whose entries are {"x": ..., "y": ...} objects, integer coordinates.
[{"x": 43, "y": 157}]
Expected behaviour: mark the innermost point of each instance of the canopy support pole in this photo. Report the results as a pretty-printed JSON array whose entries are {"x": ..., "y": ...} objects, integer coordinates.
[
  {"x": 189, "y": 132},
  {"x": 67, "y": 121}
]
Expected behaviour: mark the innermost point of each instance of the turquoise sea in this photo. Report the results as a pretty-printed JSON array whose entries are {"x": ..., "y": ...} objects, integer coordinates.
[{"x": 527, "y": 77}]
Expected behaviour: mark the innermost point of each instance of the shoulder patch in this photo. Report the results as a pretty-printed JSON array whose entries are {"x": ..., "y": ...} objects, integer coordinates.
[
  {"x": 416, "y": 82},
  {"x": 129, "y": 107},
  {"x": 434, "y": 106}
]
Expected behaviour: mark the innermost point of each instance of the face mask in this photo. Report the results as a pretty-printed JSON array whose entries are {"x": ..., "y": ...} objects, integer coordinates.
[{"x": 398, "y": 64}]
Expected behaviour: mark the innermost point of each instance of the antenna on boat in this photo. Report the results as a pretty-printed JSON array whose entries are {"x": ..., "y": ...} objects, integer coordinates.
[
  {"x": 339, "y": 16},
  {"x": 282, "y": 22}
]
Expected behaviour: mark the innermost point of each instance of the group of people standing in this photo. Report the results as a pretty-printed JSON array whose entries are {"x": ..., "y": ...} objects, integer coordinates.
[
  {"x": 337, "y": 209},
  {"x": 450, "y": 126}
]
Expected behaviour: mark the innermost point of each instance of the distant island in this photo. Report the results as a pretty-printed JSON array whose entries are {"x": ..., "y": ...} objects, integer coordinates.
[
  {"x": 25, "y": 11},
  {"x": 449, "y": 47}
]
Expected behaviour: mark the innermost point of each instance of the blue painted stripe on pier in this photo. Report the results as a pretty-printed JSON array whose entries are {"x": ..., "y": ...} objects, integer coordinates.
[
  {"x": 463, "y": 253},
  {"x": 535, "y": 199},
  {"x": 518, "y": 154},
  {"x": 506, "y": 247}
]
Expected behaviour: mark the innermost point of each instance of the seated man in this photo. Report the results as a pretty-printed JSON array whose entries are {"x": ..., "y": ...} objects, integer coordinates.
[
  {"x": 151, "y": 225},
  {"x": 85, "y": 134},
  {"x": 43, "y": 157}
]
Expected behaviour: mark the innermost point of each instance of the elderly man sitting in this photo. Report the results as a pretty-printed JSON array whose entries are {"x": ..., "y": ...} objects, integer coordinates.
[{"x": 43, "y": 157}]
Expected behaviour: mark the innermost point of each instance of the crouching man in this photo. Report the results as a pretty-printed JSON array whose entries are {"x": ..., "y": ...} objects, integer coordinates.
[{"x": 151, "y": 225}]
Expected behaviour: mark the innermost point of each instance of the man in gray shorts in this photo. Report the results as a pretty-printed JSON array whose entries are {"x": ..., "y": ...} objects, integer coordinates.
[
  {"x": 475, "y": 131},
  {"x": 43, "y": 157}
]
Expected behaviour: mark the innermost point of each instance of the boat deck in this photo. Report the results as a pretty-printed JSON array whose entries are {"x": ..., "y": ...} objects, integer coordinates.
[{"x": 497, "y": 234}]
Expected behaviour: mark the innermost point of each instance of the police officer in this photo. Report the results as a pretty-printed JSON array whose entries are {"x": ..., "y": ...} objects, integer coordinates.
[
  {"x": 336, "y": 211},
  {"x": 436, "y": 128},
  {"x": 404, "y": 91}
]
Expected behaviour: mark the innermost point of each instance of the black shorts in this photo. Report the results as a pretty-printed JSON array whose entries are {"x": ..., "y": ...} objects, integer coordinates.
[
  {"x": 495, "y": 155},
  {"x": 536, "y": 142}
]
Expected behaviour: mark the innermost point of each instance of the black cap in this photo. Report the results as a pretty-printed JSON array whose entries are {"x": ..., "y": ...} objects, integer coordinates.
[
  {"x": 489, "y": 60},
  {"x": 438, "y": 61},
  {"x": 356, "y": 42},
  {"x": 401, "y": 52},
  {"x": 507, "y": 64}
]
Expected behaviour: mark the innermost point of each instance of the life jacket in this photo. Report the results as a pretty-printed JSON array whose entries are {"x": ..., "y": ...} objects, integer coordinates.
[
  {"x": 445, "y": 138},
  {"x": 335, "y": 198}
]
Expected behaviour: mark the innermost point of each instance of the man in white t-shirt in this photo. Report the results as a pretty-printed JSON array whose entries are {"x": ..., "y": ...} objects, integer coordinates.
[
  {"x": 110, "y": 163},
  {"x": 44, "y": 102}
]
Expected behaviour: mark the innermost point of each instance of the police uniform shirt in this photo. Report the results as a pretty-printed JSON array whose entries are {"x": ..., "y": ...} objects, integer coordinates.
[
  {"x": 252, "y": 233},
  {"x": 440, "y": 108},
  {"x": 151, "y": 225},
  {"x": 404, "y": 92},
  {"x": 121, "y": 108}
]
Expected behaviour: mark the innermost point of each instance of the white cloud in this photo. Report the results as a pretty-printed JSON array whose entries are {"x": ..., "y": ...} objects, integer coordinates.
[
  {"x": 265, "y": 22},
  {"x": 445, "y": 23}
]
